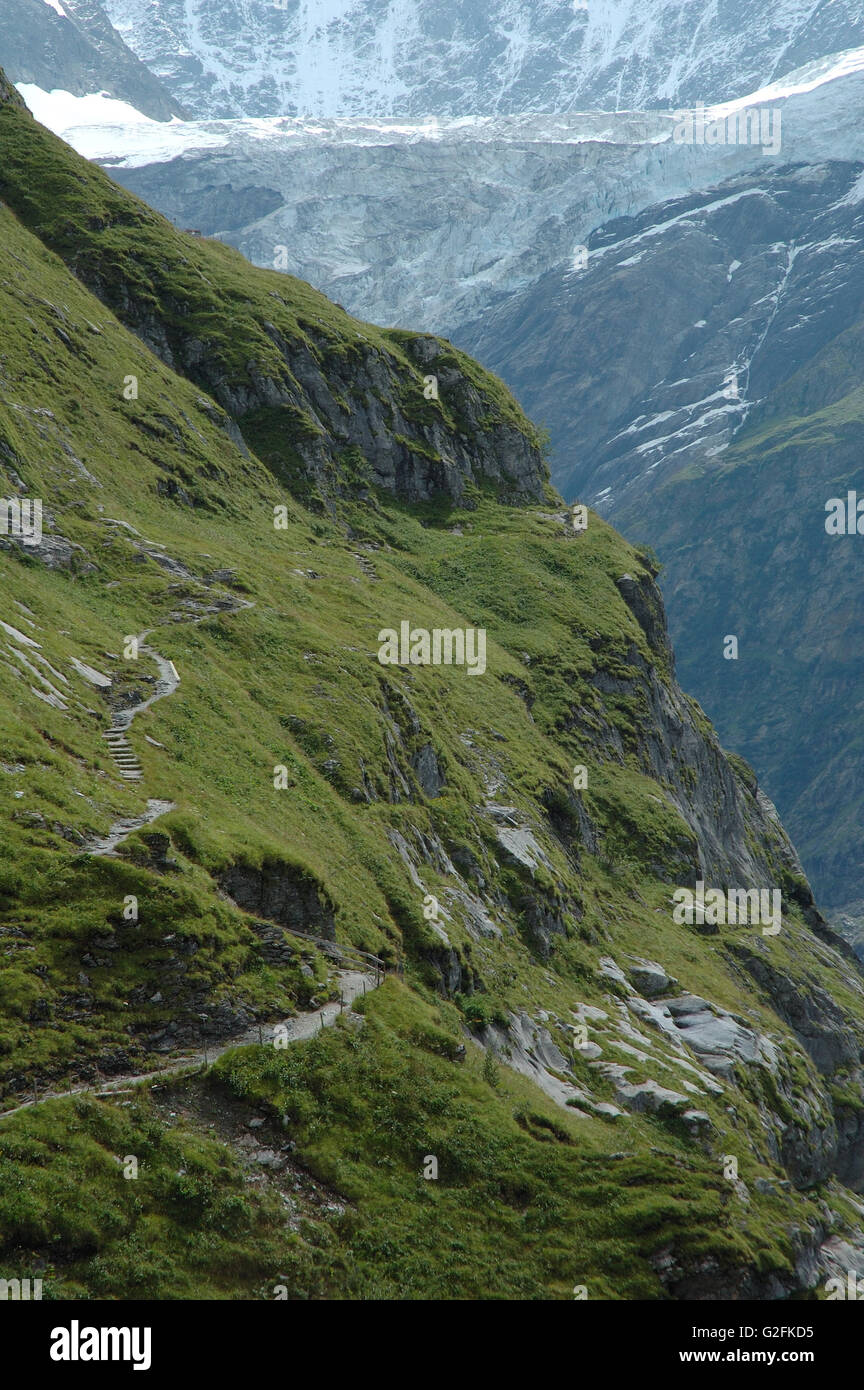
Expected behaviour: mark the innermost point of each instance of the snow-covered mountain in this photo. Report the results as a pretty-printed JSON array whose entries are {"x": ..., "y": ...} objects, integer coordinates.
[
  {"x": 71, "y": 45},
  {"x": 752, "y": 274},
  {"x": 332, "y": 58}
]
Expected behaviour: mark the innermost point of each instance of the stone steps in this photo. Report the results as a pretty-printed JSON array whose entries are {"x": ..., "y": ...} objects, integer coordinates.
[{"x": 122, "y": 755}]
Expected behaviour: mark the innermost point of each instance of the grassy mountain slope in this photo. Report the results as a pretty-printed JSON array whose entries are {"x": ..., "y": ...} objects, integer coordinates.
[{"x": 562, "y": 1161}]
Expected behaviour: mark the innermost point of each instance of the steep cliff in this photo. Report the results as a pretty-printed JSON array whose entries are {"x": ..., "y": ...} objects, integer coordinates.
[
  {"x": 481, "y": 57},
  {"x": 306, "y": 383}
]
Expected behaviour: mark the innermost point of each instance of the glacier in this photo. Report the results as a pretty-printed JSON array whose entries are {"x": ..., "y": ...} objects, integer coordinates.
[{"x": 433, "y": 221}]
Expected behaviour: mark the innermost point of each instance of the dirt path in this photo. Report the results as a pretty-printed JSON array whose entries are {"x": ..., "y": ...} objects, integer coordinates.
[
  {"x": 166, "y": 683},
  {"x": 122, "y": 829},
  {"x": 303, "y": 1025},
  {"x": 124, "y": 757},
  {"x": 119, "y": 747},
  {"x": 293, "y": 1029}
]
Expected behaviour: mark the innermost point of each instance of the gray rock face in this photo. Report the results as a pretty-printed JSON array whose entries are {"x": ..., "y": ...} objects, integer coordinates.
[
  {"x": 651, "y": 1097},
  {"x": 839, "y": 1257},
  {"x": 818, "y": 1022},
  {"x": 649, "y": 978},
  {"x": 809, "y": 1130},
  {"x": 475, "y": 914},
  {"x": 281, "y": 893},
  {"x": 80, "y": 52},
  {"x": 320, "y": 407},
  {"x": 643, "y": 599},
  {"x": 698, "y": 1122},
  {"x": 528, "y": 1047},
  {"x": 710, "y": 1279},
  {"x": 718, "y": 1038},
  {"x": 519, "y": 846},
  {"x": 730, "y": 824},
  {"x": 453, "y": 976},
  {"x": 543, "y": 921},
  {"x": 608, "y": 967},
  {"x": 428, "y": 772},
  {"x": 54, "y": 551},
  {"x": 415, "y": 57}
]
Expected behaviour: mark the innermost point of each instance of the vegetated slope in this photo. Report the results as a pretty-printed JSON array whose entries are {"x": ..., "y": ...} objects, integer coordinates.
[
  {"x": 75, "y": 48},
  {"x": 701, "y": 381},
  {"x": 313, "y": 787},
  {"x": 480, "y": 57}
]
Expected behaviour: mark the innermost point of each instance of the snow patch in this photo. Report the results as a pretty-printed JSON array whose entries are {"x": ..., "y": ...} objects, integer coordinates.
[
  {"x": 345, "y": 58},
  {"x": 855, "y": 194},
  {"x": 797, "y": 83},
  {"x": 60, "y": 111}
]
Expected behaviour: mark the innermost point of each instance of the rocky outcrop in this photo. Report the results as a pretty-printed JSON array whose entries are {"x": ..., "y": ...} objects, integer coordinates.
[
  {"x": 681, "y": 1050},
  {"x": 333, "y": 416},
  {"x": 737, "y": 838},
  {"x": 649, "y": 978},
  {"x": 817, "y": 1021},
  {"x": 8, "y": 95},
  {"x": 527, "y": 1045},
  {"x": 643, "y": 599},
  {"x": 428, "y": 771},
  {"x": 709, "y": 1279},
  {"x": 282, "y": 893},
  {"x": 719, "y": 1040}
]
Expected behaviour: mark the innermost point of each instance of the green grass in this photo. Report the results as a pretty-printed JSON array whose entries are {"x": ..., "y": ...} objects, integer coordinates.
[{"x": 187, "y": 1227}]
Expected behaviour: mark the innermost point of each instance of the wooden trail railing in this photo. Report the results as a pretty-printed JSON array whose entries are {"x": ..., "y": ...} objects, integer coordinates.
[{"x": 345, "y": 954}]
